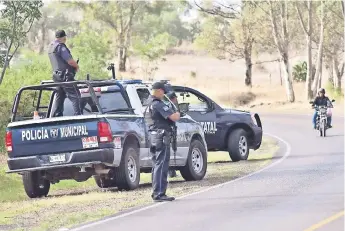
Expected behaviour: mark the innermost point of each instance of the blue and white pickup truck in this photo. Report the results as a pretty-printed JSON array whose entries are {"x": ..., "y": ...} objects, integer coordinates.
[{"x": 109, "y": 141}]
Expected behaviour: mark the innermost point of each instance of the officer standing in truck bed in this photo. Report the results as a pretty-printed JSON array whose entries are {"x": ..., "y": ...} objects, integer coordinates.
[
  {"x": 64, "y": 69},
  {"x": 160, "y": 129}
]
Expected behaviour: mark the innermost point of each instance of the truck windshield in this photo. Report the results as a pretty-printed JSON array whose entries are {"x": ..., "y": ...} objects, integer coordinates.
[{"x": 112, "y": 102}]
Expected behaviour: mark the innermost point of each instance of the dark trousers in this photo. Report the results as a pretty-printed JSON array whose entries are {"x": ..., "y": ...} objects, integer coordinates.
[
  {"x": 160, "y": 169},
  {"x": 73, "y": 94}
]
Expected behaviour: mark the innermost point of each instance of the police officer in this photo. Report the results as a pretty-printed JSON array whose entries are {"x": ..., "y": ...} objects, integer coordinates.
[
  {"x": 64, "y": 69},
  {"x": 163, "y": 118}
]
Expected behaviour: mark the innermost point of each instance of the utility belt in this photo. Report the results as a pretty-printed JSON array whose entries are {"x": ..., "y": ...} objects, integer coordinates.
[
  {"x": 63, "y": 76},
  {"x": 158, "y": 139}
]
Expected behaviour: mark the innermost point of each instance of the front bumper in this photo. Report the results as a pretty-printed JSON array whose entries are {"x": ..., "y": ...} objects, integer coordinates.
[
  {"x": 257, "y": 138},
  {"x": 108, "y": 156}
]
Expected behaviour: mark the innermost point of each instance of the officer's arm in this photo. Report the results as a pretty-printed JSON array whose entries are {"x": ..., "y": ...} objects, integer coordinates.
[
  {"x": 167, "y": 112},
  {"x": 68, "y": 58}
]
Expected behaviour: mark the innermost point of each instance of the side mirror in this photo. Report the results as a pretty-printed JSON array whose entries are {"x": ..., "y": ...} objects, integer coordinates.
[
  {"x": 211, "y": 108},
  {"x": 184, "y": 107},
  {"x": 333, "y": 100},
  {"x": 311, "y": 102}
]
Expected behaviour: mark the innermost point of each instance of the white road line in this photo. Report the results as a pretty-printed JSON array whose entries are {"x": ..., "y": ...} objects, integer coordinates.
[{"x": 286, "y": 154}]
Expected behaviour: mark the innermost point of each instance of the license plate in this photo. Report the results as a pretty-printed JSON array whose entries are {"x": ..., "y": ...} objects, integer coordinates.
[
  {"x": 90, "y": 142},
  {"x": 57, "y": 158}
]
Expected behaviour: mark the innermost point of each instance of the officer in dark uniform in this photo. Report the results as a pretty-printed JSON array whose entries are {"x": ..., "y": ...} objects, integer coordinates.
[
  {"x": 64, "y": 69},
  {"x": 163, "y": 118}
]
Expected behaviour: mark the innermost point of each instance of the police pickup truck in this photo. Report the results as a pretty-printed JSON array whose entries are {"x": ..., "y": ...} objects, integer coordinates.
[
  {"x": 109, "y": 141},
  {"x": 225, "y": 129}
]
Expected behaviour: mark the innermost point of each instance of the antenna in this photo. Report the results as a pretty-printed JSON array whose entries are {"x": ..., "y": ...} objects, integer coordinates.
[
  {"x": 112, "y": 68},
  {"x": 87, "y": 76}
]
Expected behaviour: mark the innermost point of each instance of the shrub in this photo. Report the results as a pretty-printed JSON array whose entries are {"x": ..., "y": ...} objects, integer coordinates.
[{"x": 299, "y": 72}]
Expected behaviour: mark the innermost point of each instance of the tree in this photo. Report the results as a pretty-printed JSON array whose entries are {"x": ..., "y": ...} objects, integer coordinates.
[
  {"x": 308, "y": 30},
  {"x": 334, "y": 40},
  {"x": 278, "y": 14},
  {"x": 54, "y": 16},
  {"x": 16, "y": 20},
  {"x": 232, "y": 33},
  {"x": 119, "y": 17}
]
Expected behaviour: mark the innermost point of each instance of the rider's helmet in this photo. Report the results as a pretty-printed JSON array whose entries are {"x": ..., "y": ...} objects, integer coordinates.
[{"x": 321, "y": 90}]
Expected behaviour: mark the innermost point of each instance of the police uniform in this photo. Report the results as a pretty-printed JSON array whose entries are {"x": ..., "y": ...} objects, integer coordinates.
[
  {"x": 59, "y": 55},
  {"x": 162, "y": 127}
]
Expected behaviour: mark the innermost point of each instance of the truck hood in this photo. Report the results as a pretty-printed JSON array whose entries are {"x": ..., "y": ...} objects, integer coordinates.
[{"x": 235, "y": 111}]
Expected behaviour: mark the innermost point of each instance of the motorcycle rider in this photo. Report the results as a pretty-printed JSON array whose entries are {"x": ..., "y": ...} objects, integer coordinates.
[{"x": 322, "y": 100}]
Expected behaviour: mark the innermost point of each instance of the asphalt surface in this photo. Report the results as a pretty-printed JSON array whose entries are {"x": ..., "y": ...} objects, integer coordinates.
[{"x": 304, "y": 187}]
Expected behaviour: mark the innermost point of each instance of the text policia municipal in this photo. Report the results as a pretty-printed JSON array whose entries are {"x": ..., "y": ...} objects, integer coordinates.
[{"x": 65, "y": 132}]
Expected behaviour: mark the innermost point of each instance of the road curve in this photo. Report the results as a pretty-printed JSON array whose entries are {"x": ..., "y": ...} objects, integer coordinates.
[{"x": 303, "y": 190}]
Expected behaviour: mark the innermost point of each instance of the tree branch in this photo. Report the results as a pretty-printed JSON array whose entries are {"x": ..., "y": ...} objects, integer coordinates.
[
  {"x": 267, "y": 61},
  {"x": 301, "y": 19},
  {"x": 216, "y": 11}
]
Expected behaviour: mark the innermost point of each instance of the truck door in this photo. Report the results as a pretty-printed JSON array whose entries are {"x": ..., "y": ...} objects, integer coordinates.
[{"x": 202, "y": 112}]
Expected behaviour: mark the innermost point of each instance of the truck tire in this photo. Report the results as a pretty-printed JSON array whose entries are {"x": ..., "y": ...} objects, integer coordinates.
[
  {"x": 103, "y": 182},
  {"x": 238, "y": 147},
  {"x": 196, "y": 166},
  {"x": 127, "y": 175},
  {"x": 35, "y": 186}
]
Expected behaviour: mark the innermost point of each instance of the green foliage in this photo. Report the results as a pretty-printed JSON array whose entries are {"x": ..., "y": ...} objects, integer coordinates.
[
  {"x": 92, "y": 49},
  {"x": 299, "y": 72},
  {"x": 151, "y": 51},
  {"x": 16, "y": 20}
]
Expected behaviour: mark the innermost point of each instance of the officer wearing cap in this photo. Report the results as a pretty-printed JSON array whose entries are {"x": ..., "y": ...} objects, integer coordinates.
[
  {"x": 64, "y": 69},
  {"x": 162, "y": 117}
]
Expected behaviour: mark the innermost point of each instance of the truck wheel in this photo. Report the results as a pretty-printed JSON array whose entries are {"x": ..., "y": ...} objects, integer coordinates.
[
  {"x": 34, "y": 185},
  {"x": 127, "y": 175},
  {"x": 103, "y": 182},
  {"x": 238, "y": 145},
  {"x": 196, "y": 166}
]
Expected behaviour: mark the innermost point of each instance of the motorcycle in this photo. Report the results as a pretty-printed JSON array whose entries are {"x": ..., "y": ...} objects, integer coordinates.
[{"x": 321, "y": 119}]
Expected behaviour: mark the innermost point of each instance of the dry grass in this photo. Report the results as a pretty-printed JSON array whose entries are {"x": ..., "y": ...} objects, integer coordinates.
[
  {"x": 223, "y": 81},
  {"x": 73, "y": 206}
]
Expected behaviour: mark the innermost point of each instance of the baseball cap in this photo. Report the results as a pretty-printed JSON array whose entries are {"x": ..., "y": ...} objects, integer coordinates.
[
  {"x": 60, "y": 34},
  {"x": 159, "y": 85}
]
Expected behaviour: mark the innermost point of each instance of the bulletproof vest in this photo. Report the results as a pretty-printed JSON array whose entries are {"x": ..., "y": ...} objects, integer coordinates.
[
  {"x": 57, "y": 62},
  {"x": 153, "y": 118}
]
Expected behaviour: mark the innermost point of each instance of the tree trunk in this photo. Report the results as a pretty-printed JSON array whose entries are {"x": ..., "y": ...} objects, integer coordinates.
[
  {"x": 43, "y": 41},
  {"x": 122, "y": 58},
  {"x": 319, "y": 56},
  {"x": 288, "y": 82},
  {"x": 329, "y": 68},
  {"x": 248, "y": 60},
  {"x": 281, "y": 40},
  {"x": 320, "y": 73}
]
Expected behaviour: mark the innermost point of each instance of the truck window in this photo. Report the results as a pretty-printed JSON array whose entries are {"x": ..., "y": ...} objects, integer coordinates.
[
  {"x": 195, "y": 103},
  {"x": 143, "y": 94},
  {"x": 108, "y": 101},
  {"x": 30, "y": 102}
]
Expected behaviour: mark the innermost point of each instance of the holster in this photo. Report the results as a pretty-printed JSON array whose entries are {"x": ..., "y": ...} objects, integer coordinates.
[
  {"x": 62, "y": 76},
  {"x": 59, "y": 76},
  {"x": 158, "y": 138}
]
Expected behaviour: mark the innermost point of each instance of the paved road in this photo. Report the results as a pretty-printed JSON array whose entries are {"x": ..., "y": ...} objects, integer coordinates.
[{"x": 304, "y": 188}]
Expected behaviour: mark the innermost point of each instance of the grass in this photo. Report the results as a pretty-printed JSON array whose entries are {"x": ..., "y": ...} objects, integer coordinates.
[{"x": 71, "y": 203}]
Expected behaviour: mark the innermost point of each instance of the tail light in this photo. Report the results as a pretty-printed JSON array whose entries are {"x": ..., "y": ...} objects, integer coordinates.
[
  {"x": 104, "y": 132},
  {"x": 9, "y": 141}
]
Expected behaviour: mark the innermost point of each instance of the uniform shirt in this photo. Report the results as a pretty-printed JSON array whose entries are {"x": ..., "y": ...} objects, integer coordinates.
[
  {"x": 160, "y": 113},
  {"x": 63, "y": 55},
  {"x": 322, "y": 101}
]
